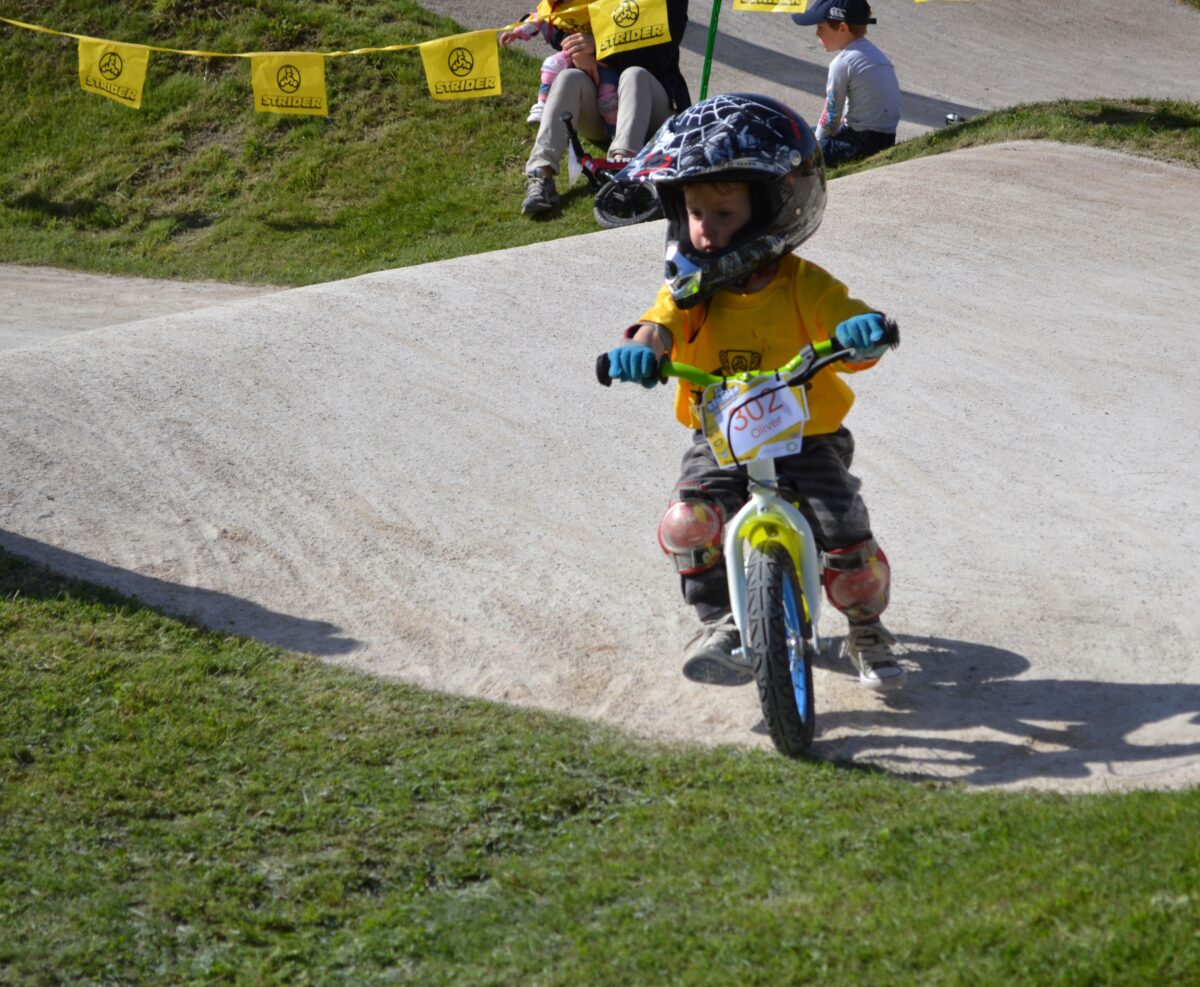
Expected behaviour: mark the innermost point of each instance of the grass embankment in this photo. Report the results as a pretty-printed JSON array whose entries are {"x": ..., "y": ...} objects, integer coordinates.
[
  {"x": 197, "y": 185},
  {"x": 1163, "y": 129},
  {"x": 181, "y": 806}
]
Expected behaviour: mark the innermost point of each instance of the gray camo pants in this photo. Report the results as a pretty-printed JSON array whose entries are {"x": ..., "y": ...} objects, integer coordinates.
[{"x": 819, "y": 479}]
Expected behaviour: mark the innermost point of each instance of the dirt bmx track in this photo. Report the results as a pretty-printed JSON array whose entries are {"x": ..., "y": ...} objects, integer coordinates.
[{"x": 393, "y": 475}]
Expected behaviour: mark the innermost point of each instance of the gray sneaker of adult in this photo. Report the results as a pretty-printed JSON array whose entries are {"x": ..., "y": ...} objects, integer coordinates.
[
  {"x": 540, "y": 195},
  {"x": 873, "y": 650},
  {"x": 715, "y": 657}
]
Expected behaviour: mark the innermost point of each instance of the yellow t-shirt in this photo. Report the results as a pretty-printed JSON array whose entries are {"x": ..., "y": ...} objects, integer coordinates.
[
  {"x": 735, "y": 333},
  {"x": 577, "y": 20}
]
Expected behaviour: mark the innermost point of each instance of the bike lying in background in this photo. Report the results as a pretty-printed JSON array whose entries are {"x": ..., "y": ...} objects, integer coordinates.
[
  {"x": 617, "y": 203},
  {"x": 771, "y": 558}
]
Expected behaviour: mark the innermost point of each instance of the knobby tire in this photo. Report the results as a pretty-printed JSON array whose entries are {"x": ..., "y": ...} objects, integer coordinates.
[
  {"x": 778, "y": 636},
  {"x": 625, "y": 204}
]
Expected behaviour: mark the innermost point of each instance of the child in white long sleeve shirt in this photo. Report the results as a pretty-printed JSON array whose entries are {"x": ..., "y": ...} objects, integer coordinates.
[{"x": 862, "y": 98}]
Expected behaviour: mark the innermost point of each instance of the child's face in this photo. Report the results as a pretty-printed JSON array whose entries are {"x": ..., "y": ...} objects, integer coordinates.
[
  {"x": 833, "y": 36},
  {"x": 715, "y": 213}
]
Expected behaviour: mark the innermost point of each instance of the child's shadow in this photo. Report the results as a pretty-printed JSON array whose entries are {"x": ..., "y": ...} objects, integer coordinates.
[{"x": 964, "y": 715}]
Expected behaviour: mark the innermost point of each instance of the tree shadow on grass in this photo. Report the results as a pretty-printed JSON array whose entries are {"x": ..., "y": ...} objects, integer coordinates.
[
  {"x": 1127, "y": 115},
  {"x": 208, "y": 608},
  {"x": 96, "y": 214},
  {"x": 965, "y": 714},
  {"x": 298, "y": 224},
  {"x": 54, "y": 208}
]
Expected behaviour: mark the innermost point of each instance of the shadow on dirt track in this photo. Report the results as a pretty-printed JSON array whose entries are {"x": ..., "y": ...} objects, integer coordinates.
[
  {"x": 966, "y": 706},
  {"x": 219, "y": 611},
  {"x": 769, "y": 65},
  {"x": 965, "y": 712}
]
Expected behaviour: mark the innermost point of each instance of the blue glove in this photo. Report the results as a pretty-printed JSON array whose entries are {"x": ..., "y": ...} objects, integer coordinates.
[
  {"x": 633, "y": 362},
  {"x": 863, "y": 333}
]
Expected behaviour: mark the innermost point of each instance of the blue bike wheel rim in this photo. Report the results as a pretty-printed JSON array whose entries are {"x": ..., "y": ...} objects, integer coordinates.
[{"x": 797, "y": 661}]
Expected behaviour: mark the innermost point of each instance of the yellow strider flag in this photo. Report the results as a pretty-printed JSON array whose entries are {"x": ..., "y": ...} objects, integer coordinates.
[
  {"x": 289, "y": 82},
  {"x": 772, "y": 6},
  {"x": 113, "y": 70},
  {"x": 464, "y": 66},
  {"x": 623, "y": 25}
]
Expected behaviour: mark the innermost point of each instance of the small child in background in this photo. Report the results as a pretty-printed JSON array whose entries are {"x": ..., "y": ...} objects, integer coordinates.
[
  {"x": 862, "y": 98},
  {"x": 539, "y": 22}
]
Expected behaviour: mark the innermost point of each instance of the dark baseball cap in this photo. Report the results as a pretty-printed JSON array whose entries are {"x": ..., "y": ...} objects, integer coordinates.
[{"x": 850, "y": 11}]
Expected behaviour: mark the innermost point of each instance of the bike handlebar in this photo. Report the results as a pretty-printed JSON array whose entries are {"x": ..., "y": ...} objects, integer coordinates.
[{"x": 798, "y": 370}]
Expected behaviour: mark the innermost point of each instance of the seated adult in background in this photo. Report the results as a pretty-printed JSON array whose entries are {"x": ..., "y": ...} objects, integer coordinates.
[
  {"x": 862, "y": 98},
  {"x": 650, "y": 88}
]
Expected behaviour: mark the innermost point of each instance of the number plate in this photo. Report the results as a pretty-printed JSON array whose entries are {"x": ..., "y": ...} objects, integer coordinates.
[{"x": 758, "y": 419}]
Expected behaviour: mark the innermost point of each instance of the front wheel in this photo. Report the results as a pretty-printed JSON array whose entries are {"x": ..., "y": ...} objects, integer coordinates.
[
  {"x": 626, "y": 203},
  {"x": 777, "y": 632}
]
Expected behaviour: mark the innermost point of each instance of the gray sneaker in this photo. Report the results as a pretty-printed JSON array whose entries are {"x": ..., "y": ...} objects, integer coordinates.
[
  {"x": 715, "y": 654},
  {"x": 873, "y": 650},
  {"x": 540, "y": 195}
]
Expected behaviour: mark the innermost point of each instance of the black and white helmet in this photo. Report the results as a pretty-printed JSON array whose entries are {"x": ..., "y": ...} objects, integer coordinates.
[{"x": 734, "y": 137}]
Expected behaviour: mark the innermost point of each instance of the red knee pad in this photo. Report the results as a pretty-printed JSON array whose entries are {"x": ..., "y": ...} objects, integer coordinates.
[
  {"x": 690, "y": 532},
  {"x": 857, "y": 580}
]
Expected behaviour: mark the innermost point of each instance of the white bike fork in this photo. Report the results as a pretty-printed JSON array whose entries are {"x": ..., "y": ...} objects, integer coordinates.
[{"x": 764, "y": 499}]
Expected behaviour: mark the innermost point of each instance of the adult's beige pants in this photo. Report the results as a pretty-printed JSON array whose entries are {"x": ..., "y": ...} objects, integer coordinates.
[{"x": 642, "y": 106}]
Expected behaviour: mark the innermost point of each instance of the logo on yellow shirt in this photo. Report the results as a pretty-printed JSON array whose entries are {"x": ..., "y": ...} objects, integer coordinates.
[{"x": 739, "y": 362}]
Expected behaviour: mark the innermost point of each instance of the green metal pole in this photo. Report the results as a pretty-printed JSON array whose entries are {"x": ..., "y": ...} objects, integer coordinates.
[{"x": 708, "y": 50}]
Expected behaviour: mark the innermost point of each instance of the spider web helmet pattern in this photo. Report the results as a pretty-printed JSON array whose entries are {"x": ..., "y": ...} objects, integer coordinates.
[{"x": 734, "y": 137}]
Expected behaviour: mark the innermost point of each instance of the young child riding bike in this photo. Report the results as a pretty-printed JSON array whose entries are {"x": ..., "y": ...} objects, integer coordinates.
[{"x": 742, "y": 184}]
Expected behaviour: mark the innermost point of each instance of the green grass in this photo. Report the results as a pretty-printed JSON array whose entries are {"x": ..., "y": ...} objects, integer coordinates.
[
  {"x": 181, "y": 806},
  {"x": 198, "y": 185}
]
